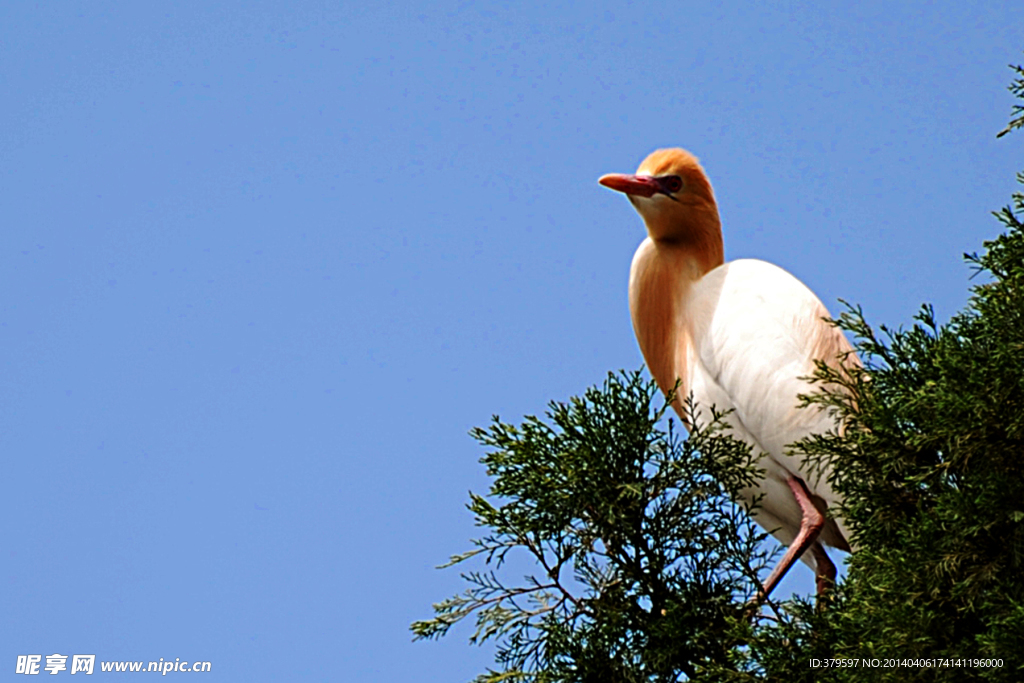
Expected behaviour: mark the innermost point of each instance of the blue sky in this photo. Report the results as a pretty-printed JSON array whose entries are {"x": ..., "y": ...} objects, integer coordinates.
[{"x": 265, "y": 264}]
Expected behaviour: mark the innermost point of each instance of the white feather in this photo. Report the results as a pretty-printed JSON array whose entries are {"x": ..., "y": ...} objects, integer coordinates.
[{"x": 754, "y": 327}]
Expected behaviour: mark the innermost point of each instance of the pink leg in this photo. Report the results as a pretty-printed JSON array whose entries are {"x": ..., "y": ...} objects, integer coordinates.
[
  {"x": 810, "y": 527},
  {"x": 825, "y": 570}
]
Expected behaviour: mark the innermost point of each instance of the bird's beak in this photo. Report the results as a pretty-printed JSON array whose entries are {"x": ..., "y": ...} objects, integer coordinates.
[{"x": 642, "y": 185}]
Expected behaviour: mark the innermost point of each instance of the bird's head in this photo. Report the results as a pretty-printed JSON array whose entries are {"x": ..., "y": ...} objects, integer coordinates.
[{"x": 674, "y": 197}]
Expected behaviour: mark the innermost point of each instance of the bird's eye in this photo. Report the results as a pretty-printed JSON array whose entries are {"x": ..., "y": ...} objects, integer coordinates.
[{"x": 671, "y": 183}]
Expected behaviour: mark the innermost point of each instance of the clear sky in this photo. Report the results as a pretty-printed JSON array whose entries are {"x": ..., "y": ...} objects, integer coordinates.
[{"x": 265, "y": 264}]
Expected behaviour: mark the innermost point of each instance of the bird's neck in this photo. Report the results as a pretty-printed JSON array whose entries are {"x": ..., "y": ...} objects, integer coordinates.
[
  {"x": 660, "y": 281},
  {"x": 691, "y": 234}
]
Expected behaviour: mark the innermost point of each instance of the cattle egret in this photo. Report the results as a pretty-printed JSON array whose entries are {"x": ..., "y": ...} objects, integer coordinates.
[{"x": 739, "y": 336}]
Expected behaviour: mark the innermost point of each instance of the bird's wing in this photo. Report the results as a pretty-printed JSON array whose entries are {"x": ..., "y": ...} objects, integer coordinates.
[{"x": 757, "y": 330}]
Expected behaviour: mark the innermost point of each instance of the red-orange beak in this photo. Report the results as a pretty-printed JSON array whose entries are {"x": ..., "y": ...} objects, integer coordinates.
[{"x": 642, "y": 185}]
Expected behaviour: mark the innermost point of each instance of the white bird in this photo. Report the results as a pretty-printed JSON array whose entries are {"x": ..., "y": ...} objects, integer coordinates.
[{"x": 739, "y": 336}]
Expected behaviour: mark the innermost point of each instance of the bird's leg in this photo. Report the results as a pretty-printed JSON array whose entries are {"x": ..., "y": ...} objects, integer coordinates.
[
  {"x": 824, "y": 569},
  {"x": 810, "y": 526}
]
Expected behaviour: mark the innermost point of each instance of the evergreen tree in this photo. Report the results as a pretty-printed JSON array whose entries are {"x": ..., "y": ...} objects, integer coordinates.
[
  {"x": 646, "y": 564},
  {"x": 932, "y": 467}
]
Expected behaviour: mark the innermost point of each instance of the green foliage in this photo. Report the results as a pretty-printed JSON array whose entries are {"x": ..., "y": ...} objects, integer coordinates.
[
  {"x": 645, "y": 563},
  {"x": 931, "y": 465},
  {"x": 1017, "y": 88}
]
